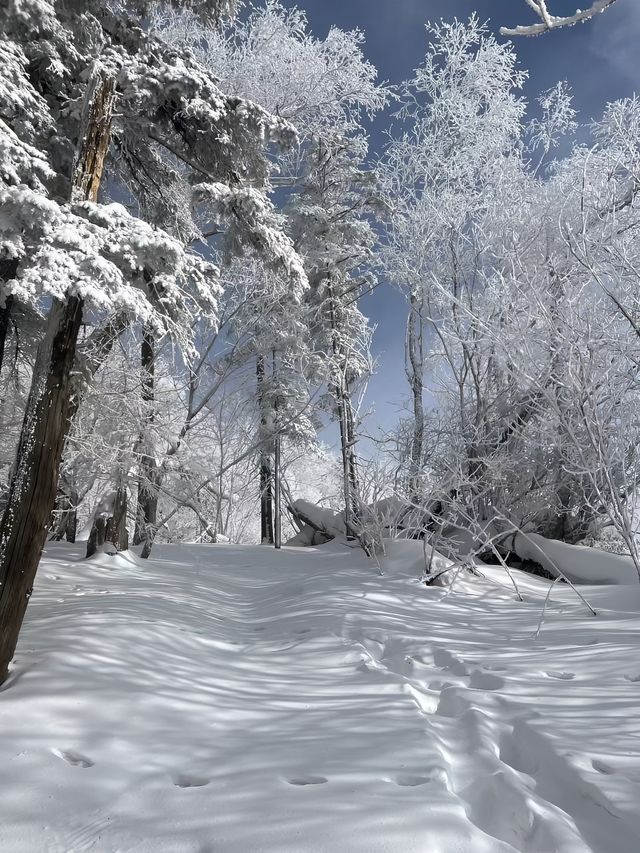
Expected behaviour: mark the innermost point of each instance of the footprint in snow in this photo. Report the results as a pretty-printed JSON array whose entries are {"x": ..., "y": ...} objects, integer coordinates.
[
  {"x": 75, "y": 759},
  {"x": 446, "y": 661},
  {"x": 307, "y": 780},
  {"x": 485, "y": 681},
  {"x": 602, "y": 767},
  {"x": 562, "y": 676},
  {"x": 633, "y": 678},
  {"x": 187, "y": 780},
  {"x": 407, "y": 781}
]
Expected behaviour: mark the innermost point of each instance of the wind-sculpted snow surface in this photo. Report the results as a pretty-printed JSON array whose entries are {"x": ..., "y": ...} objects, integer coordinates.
[{"x": 237, "y": 699}]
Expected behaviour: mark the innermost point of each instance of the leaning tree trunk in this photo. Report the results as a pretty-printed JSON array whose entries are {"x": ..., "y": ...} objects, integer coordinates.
[
  {"x": 266, "y": 472},
  {"x": 32, "y": 493},
  {"x": 148, "y": 484}
]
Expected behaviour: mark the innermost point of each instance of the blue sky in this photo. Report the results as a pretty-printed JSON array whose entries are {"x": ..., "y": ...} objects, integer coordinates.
[{"x": 600, "y": 60}]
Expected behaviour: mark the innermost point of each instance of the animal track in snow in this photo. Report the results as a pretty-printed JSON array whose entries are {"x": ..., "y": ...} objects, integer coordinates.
[
  {"x": 633, "y": 678},
  {"x": 75, "y": 759},
  {"x": 188, "y": 780},
  {"x": 307, "y": 780}
]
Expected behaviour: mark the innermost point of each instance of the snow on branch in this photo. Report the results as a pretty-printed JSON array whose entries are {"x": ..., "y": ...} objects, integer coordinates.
[{"x": 553, "y": 22}]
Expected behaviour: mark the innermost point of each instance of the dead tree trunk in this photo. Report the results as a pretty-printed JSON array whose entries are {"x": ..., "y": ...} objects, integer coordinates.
[
  {"x": 266, "y": 473},
  {"x": 148, "y": 484},
  {"x": 32, "y": 493}
]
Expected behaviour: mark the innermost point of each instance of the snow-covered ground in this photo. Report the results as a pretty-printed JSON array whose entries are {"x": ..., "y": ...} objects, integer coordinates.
[{"x": 237, "y": 699}]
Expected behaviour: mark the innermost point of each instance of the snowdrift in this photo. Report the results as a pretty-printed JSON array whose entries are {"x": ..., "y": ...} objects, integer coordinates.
[{"x": 578, "y": 563}]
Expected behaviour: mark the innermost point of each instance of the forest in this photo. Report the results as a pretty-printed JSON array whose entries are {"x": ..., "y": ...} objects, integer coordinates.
[{"x": 192, "y": 218}]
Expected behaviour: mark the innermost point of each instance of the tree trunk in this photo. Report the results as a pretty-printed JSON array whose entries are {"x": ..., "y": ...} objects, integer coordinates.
[
  {"x": 32, "y": 493},
  {"x": 266, "y": 474},
  {"x": 277, "y": 466},
  {"x": 5, "y": 315},
  {"x": 90, "y": 356},
  {"x": 116, "y": 531},
  {"x": 148, "y": 484},
  {"x": 351, "y": 485},
  {"x": 110, "y": 523},
  {"x": 414, "y": 369},
  {"x": 97, "y": 537},
  {"x": 66, "y": 523}
]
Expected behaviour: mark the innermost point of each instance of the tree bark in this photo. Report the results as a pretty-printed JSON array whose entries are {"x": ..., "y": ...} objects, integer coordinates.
[
  {"x": 66, "y": 524},
  {"x": 414, "y": 369},
  {"x": 90, "y": 356},
  {"x": 5, "y": 315},
  {"x": 277, "y": 468},
  {"x": 32, "y": 493},
  {"x": 117, "y": 532},
  {"x": 351, "y": 484},
  {"x": 266, "y": 473},
  {"x": 277, "y": 505},
  {"x": 148, "y": 484}
]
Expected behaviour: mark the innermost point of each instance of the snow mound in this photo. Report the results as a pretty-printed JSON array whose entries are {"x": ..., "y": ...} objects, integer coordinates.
[{"x": 578, "y": 563}]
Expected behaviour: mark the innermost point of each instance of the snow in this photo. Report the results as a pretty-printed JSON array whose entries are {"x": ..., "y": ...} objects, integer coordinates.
[
  {"x": 576, "y": 562},
  {"x": 322, "y": 518},
  {"x": 239, "y": 699}
]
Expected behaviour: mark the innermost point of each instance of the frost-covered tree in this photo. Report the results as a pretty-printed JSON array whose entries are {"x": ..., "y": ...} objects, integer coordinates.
[
  {"x": 461, "y": 119},
  {"x": 522, "y": 275},
  {"x": 332, "y": 231},
  {"x": 85, "y": 86},
  {"x": 324, "y": 86}
]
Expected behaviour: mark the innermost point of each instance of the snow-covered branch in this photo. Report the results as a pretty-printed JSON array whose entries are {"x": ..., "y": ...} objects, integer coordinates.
[{"x": 554, "y": 22}]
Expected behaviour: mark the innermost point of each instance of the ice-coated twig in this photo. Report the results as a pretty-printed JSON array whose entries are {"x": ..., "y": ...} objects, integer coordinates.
[{"x": 544, "y": 607}]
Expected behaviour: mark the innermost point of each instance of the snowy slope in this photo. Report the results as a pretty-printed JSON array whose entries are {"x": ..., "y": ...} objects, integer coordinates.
[{"x": 236, "y": 699}]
